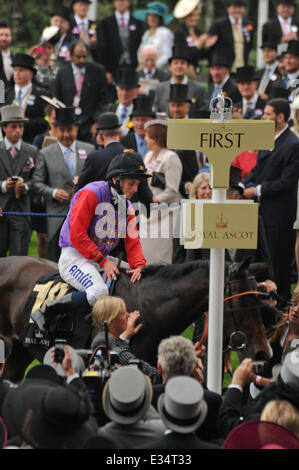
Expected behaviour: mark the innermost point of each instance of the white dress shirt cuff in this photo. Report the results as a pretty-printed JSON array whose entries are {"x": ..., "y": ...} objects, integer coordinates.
[
  {"x": 3, "y": 187},
  {"x": 54, "y": 193},
  {"x": 259, "y": 190},
  {"x": 238, "y": 387}
]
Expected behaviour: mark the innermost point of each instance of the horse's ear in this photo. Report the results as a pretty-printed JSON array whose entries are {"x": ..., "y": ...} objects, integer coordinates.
[
  {"x": 244, "y": 265},
  {"x": 256, "y": 268}
]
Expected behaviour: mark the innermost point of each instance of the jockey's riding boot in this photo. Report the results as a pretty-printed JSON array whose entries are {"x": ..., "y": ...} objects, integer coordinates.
[{"x": 54, "y": 307}]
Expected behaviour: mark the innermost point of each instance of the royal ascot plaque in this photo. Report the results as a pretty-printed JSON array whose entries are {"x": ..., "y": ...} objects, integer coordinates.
[
  {"x": 221, "y": 142},
  {"x": 233, "y": 224}
]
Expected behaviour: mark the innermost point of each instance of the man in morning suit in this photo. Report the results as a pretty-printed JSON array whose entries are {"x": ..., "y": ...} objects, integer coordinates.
[
  {"x": 220, "y": 79},
  {"x": 284, "y": 25},
  {"x": 57, "y": 172},
  {"x": 270, "y": 74},
  {"x": 6, "y": 56},
  {"x": 235, "y": 35},
  {"x": 274, "y": 182},
  {"x": 251, "y": 105},
  {"x": 178, "y": 66},
  {"x": 17, "y": 160},
  {"x": 119, "y": 37},
  {"x": 27, "y": 95},
  {"x": 148, "y": 61},
  {"x": 82, "y": 84},
  {"x": 83, "y": 28}
]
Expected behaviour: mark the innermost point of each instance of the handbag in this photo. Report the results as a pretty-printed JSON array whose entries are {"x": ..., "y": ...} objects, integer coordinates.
[{"x": 158, "y": 180}]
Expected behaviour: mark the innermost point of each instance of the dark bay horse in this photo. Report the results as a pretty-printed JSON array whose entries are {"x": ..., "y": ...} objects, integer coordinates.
[{"x": 169, "y": 299}]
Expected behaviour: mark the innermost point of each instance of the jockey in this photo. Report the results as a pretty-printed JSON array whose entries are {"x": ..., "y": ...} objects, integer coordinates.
[{"x": 99, "y": 215}]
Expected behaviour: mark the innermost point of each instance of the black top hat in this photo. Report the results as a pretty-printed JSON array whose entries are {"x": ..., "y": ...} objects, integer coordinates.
[
  {"x": 180, "y": 51},
  {"x": 143, "y": 106},
  {"x": 286, "y": 2},
  {"x": 108, "y": 120},
  {"x": 246, "y": 74},
  {"x": 24, "y": 60},
  {"x": 179, "y": 93},
  {"x": 82, "y": 1},
  {"x": 235, "y": 2},
  {"x": 220, "y": 60},
  {"x": 128, "y": 79},
  {"x": 277, "y": 91},
  {"x": 271, "y": 41},
  {"x": 66, "y": 117},
  {"x": 293, "y": 48},
  {"x": 62, "y": 11}
]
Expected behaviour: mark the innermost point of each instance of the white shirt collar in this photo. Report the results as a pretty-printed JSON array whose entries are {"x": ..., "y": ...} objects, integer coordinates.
[
  {"x": 126, "y": 16},
  {"x": 233, "y": 21},
  {"x": 281, "y": 132},
  {"x": 252, "y": 101},
  {"x": 282, "y": 21},
  {"x": 76, "y": 69},
  {"x": 184, "y": 82},
  {"x": 8, "y": 144},
  {"x": 81, "y": 20},
  {"x": 221, "y": 84},
  {"x": 72, "y": 147},
  {"x": 24, "y": 89}
]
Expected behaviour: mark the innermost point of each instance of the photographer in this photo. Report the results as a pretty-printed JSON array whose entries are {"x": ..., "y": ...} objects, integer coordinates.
[{"x": 122, "y": 326}]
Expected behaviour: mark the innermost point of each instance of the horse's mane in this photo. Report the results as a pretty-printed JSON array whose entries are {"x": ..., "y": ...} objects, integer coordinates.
[{"x": 174, "y": 271}]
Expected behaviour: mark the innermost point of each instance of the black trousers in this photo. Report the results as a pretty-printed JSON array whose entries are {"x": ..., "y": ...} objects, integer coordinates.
[
  {"x": 53, "y": 248},
  {"x": 15, "y": 233}
]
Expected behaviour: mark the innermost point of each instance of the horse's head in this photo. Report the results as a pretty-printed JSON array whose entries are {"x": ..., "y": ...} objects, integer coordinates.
[{"x": 242, "y": 312}]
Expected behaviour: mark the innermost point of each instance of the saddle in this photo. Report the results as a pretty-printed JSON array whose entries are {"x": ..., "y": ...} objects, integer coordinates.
[{"x": 73, "y": 325}]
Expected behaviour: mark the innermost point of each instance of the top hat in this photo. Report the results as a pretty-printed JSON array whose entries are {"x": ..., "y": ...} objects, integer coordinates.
[
  {"x": 82, "y": 1},
  {"x": 66, "y": 116},
  {"x": 235, "y": 178},
  {"x": 127, "y": 395},
  {"x": 24, "y": 60},
  {"x": 62, "y": 11},
  {"x": 182, "y": 407},
  {"x": 143, "y": 106},
  {"x": 258, "y": 434},
  {"x": 293, "y": 48},
  {"x": 271, "y": 41},
  {"x": 277, "y": 91},
  {"x": 61, "y": 420},
  {"x": 179, "y": 93},
  {"x": 246, "y": 74},
  {"x": 44, "y": 372},
  {"x": 12, "y": 113},
  {"x": 128, "y": 79},
  {"x": 241, "y": 3},
  {"x": 107, "y": 120},
  {"x": 154, "y": 8},
  {"x": 220, "y": 60},
  {"x": 183, "y": 8},
  {"x": 286, "y": 2},
  {"x": 180, "y": 51}
]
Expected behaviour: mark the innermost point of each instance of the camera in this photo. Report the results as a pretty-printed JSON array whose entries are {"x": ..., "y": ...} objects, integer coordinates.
[
  {"x": 59, "y": 350},
  {"x": 258, "y": 367}
]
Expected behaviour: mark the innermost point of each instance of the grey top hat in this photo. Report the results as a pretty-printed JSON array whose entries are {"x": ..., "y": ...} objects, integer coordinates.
[
  {"x": 182, "y": 407},
  {"x": 127, "y": 395},
  {"x": 12, "y": 113}
]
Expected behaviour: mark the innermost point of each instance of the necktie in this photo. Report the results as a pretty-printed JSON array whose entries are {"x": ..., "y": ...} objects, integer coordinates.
[
  {"x": 19, "y": 97},
  {"x": 82, "y": 26},
  {"x": 13, "y": 151},
  {"x": 248, "y": 106},
  {"x": 286, "y": 83},
  {"x": 149, "y": 75},
  {"x": 123, "y": 114},
  {"x": 79, "y": 79},
  {"x": 69, "y": 161},
  {"x": 122, "y": 22},
  {"x": 285, "y": 27},
  {"x": 215, "y": 91},
  {"x": 7, "y": 66}
]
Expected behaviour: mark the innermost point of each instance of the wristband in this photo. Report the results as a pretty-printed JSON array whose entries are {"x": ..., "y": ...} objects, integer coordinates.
[{"x": 258, "y": 380}]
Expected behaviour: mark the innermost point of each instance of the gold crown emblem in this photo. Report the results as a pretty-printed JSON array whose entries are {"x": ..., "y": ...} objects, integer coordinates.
[
  {"x": 221, "y": 221},
  {"x": 128, "y": 151}
]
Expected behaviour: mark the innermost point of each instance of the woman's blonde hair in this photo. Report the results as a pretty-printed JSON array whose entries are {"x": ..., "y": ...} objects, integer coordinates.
[
  {"x": 107, "y": 308},
  {"x": 204, "y": 176},
  {"x": 282, "y": 412}
]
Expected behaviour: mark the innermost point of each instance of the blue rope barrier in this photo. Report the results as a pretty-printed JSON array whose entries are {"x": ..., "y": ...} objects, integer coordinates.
[{"x": 33, "y": 214}]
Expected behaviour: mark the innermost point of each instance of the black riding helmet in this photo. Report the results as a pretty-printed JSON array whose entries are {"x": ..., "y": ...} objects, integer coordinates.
[{"x": 128, "y": 164}]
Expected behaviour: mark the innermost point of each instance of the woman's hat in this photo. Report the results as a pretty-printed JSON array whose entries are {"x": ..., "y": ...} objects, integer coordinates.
[
  {"x": 12, "y": 113},
  {"x": 182, "y": 407},
  {"x": 61, "y": 421},
  {"x": 154, "y": 8},
  {"x": 142, "y": 106},
  {"x": 66, "y": 116},
  {"x": 257, "y": 434},
  {"x": 246, "y": 74},
  {"x": 24, "y": 60},
  {"x": 50, "y": 34},
  {"x": 155, "y": 122},
  {"x": 183, "y": 8},
  {"x": 127, "y": 395},
  {"x": 179, "y": 93}
]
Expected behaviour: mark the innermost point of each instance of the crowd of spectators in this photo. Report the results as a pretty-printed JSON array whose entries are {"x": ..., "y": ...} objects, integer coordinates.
[{"x": 88, "y": 90}]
